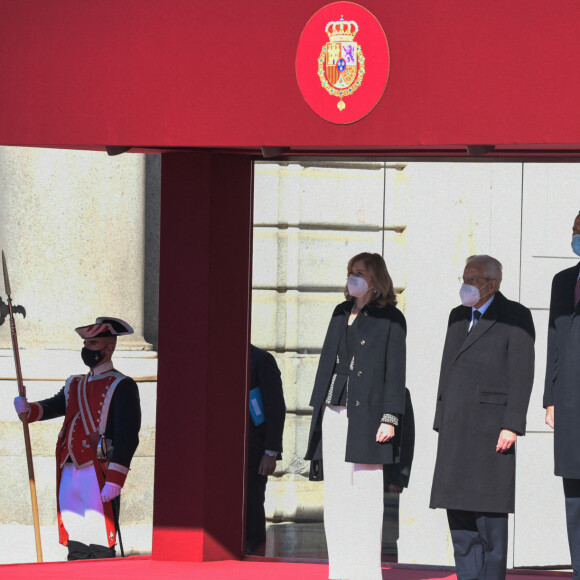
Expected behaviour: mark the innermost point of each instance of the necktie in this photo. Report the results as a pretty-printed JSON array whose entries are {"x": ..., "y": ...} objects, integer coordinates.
[
  {"x": 577, "y": 293},
  {"x": 476, "y": 317}
]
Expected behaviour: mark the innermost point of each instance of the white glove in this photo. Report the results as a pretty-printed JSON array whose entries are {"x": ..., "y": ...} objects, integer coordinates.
[
  {"x": 21, "y": 405},
  {"x": 110, "y": 491}
]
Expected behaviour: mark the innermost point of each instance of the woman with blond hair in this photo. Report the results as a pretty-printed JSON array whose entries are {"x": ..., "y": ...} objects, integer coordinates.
[{"x": 358, "y": 400}]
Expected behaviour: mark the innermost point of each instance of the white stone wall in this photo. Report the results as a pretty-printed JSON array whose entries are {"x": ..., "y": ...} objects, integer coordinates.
[
  {"x": 309, "y": 220},
  {"x": 551, "y": 200},
  {"x": 73, "y": 228},
  {"x": 459, "y": 209}
]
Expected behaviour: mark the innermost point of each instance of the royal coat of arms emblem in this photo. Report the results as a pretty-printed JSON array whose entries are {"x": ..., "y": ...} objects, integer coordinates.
[
  {"x": 331, "y": 66},
  {"x": 341, "y": 64}
]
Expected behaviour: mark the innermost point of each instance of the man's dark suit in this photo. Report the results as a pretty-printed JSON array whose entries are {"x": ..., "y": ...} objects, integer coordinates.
[
  {"x": 264, "y": 373},
  {"x": 485, "y": 385},
  {"x": 562, "y": 391}
]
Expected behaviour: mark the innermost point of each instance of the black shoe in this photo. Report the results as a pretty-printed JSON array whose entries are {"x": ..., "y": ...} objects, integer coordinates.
[
  {"x": 102, "y": 551},
  {"x": 258, "y": 549},
  {"x": 78, "y": 551}
]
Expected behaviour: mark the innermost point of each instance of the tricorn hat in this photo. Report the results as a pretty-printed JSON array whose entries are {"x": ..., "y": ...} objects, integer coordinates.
[{"x": 104, "y": 326}]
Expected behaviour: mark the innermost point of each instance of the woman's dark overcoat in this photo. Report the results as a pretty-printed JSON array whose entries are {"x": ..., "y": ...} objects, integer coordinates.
[{"x": 376, "y": 383}]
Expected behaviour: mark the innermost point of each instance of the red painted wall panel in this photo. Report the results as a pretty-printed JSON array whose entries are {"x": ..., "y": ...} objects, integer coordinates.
[
  {"x": 221, "y": 74},
  {"x": 203, "y": 354}
]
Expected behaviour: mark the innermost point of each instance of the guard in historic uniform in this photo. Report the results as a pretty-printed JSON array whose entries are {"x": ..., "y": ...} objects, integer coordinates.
[{"x": 100, "y": 433}]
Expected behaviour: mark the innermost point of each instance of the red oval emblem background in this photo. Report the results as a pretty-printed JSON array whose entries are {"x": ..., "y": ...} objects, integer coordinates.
[{"x": 342, "y": 62}]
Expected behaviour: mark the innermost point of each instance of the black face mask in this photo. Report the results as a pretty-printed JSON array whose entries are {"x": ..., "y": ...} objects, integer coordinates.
[{"x": 91, "y": 357}]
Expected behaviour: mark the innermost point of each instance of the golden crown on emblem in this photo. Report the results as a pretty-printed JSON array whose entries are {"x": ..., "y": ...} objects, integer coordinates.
[{"x": 341, "y": 30}]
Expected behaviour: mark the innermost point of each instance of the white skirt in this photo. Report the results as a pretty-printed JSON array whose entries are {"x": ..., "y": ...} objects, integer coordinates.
[
  {"x": 81, "y": 507},
  {"x": 353, "y": 505}
]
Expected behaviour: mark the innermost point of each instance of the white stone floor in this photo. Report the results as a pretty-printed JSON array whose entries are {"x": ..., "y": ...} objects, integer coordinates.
[
  {"x": 17, "y": 545},
  {"x": 283, "y": 540}
]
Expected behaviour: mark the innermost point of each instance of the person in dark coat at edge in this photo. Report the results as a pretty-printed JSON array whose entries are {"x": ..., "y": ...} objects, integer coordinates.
[
  {"x": 99, "y": 436},
  {"x": 562, "y": 390},
  {"x": 264, "y": 443},
  {"x": 396, "y": 478},
  {"x": 358, "y": 400},
  {"x": 485, "y": 385}
]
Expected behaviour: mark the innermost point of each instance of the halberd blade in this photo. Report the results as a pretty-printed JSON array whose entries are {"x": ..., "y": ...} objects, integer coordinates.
[{"x": 6, "y": 279}]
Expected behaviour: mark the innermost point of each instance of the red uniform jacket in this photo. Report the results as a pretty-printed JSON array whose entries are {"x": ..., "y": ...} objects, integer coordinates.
[{"x": 106, "y": 404}]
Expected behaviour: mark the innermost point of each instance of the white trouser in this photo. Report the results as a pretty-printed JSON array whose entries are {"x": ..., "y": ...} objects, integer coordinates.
[
  {"x": 353, "y": 505},
  {"x": 81, "y": 507}
]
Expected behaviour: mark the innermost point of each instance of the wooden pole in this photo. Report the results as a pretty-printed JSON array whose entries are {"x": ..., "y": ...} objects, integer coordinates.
[{"x": 23, "y": 416}]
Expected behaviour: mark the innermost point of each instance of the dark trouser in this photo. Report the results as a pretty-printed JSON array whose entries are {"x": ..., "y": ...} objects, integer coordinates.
[
  {"x": 572, "y": 495},
  {"x": 480, "y": 541},
  {"x": 80, "y": 551},
  {"x": 256, "y": 517}
]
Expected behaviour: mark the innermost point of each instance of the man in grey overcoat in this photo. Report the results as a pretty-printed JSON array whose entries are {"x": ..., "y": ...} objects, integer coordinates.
[
  {"x": 485, "y": 384},
  {"x": 562, "y": 390}
]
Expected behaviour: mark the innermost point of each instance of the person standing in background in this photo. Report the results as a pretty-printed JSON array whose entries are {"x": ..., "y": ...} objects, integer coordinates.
[
  {"x": 562, "y": 390},
  {"x": 267, "y": 416}
]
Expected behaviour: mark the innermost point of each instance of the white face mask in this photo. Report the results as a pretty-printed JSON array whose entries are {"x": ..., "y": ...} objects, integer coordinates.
[
  {"x": 469, "y": 294},
  {"x": 357, "y": 286}
]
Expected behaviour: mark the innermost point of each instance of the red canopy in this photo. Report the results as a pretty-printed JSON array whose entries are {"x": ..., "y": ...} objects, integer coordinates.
[{"x": 184, "y": 73}]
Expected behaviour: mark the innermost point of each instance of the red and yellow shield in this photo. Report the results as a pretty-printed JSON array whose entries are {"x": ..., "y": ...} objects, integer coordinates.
[{"x": 341, "y": 64}]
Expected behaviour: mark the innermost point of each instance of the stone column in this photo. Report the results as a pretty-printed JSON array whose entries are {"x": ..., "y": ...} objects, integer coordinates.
[{"x": 72, "y": 228}]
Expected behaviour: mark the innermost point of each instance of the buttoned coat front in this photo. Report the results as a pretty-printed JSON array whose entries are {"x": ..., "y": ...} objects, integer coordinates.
[
  {"x": 376, "y": 383},
  {"x": 562, "y": 386},
  {"x": 485, "y": 385}
]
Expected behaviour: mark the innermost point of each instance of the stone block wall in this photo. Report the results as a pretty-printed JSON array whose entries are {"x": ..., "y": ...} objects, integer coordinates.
[
  {"x": 426, "y": 218},
  {"x": 309, "y": 220},
  {"x": 81, "y": 234}
]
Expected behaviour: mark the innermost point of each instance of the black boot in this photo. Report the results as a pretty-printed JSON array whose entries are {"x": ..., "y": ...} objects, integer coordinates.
[
  {"x": 102, "y": 551},
  {"x": 78, "y": 551}
]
